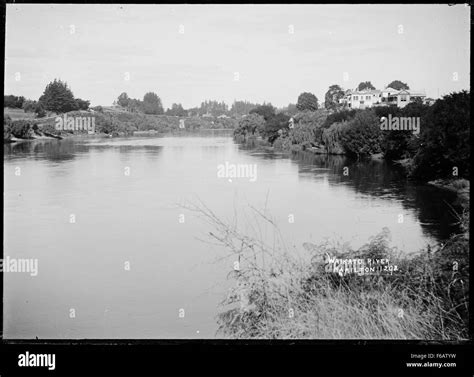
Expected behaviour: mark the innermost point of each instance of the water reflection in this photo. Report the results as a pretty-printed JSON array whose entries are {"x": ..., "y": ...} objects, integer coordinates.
[
  {"x": 52, "y": 150},
  {"x": 384, "y": 180},
  {"x": 373, "y": 179}
]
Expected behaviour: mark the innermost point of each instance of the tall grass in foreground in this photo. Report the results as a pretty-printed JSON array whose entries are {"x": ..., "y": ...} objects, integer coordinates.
[{"x": 280, "y": 295}]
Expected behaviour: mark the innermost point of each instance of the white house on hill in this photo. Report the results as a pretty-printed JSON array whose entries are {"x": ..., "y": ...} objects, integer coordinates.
[
  {"x": 401, "y": 98},
  {"x": 362, "y": 99}
]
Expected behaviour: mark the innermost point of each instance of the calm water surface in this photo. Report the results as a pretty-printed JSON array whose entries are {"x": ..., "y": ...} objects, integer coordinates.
[{"x": 135, "y": 219}]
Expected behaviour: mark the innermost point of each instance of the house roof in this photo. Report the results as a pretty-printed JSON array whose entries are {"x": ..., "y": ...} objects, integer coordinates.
[
  {"x": 390, "y": 91},
  {"x": 419, "y": 93},
  {"x": 414, "y": 93},
  {"x": 365, "y": 92}
]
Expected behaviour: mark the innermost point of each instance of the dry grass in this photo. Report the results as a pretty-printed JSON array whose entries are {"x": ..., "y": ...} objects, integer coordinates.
[
  {"x": 278, "y": 295},
  {"x": 16, "y": 114}
]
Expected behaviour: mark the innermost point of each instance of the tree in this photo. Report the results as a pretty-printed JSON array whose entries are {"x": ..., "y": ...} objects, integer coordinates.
[
  {"x": 135, "y": 105},
  {"x": 332, "y": 97},
  {"x": 398, "y": 85},
  {"x": 289, "y": 110},
  {"x": 339, "y": 117},
  {"x": 332, "y": 137},
  {"x": 397, "y": 144},
  {"x": 58, "y": 97},
  {"x": 152, "y": 104},
  {"x": 444, "y": 146},
  {"x": 365, "y": 85},
  {"x": 250, "y": 124},
  {"x": 362, "y": 136},
  {"x": 266, "y": 111},
  {"x": 275, "y": 124},
  {"x": 194, "y": 111},
  {"x": 176, "y": 110},
  {"x": 307, "y": 101},
  {"x": 123, "y": 99},
  {"x": 213, "y": 108},
  {"x": 242, "y": 108},
  {"x": 13, "y": 101},
  {"x": 29, "y": 106},
  {"x": 82, "y": 104},
  {"x": 39, "y": 110},
  {"x": 308, "y": 127}
]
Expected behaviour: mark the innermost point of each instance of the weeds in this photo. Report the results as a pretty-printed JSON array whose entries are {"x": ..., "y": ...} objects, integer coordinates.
[{"x": 278, "y": 295}]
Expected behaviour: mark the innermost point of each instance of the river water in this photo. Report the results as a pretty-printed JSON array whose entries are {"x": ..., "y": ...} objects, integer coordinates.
[{"x": 119, "y": 257}]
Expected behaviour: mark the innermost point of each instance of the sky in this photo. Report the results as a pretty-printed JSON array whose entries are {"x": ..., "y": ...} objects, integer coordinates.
[{"x": 190, "y": 53}]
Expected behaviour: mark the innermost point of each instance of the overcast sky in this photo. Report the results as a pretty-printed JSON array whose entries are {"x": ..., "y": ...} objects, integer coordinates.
[{"x": 95, "y": 48}]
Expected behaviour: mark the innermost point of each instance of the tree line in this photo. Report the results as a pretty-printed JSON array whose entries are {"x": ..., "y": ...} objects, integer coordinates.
[
  {"x": 440, "y": 150},
  {"x": 57, "y": 97},
  {"x": 210, "y": 108}
]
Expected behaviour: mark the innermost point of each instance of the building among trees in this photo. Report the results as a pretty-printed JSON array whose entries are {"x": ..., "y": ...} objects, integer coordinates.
[{"x": 363, "y": 99}]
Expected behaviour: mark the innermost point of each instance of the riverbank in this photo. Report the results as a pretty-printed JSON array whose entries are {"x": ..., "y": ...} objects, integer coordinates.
[
  {"x": 308, "y": 302},
  {"x": 460, "y": 186},
  {"x": 327, "y": 295},
  {"x": 433, "y": 152},
  {"x": 108, "y": 124}
]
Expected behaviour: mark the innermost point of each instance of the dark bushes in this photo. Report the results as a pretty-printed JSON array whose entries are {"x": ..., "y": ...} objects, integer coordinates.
[{"x": 444, "y": 139}]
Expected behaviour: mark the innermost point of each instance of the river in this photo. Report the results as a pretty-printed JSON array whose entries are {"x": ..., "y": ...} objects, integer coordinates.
[{"x": 119, "y": 257}]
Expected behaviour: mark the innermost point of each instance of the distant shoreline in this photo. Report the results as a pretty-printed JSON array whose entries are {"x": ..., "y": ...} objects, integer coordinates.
[{"x": 18, "y": 127}]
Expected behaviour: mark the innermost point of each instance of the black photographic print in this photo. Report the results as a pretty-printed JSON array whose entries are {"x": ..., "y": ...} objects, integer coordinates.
[{"x": 185, "y": 177}]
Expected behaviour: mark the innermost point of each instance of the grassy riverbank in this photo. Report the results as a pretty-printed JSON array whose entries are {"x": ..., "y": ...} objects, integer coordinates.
[
  {"x": 107, "y": 123},
  {"x": 279, "y": 295}
]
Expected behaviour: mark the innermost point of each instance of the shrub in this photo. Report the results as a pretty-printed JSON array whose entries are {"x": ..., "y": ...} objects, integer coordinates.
[
  {"x": 100, "y": 109},
  {"x": 308, "y": 126},
  {"x": 49, "y": 128},
  {"x": 281, "y": 295},
  {"x": 362, "y": 135},
  {"x": 250, "y": 124},
  {"x": 339, "y": 117},
  {"x": 7, "y": 128},
  {"x": 21, "y": 129},
  {"x": 229, "y": 123},
  {"x": 29, "y": 106},
  {"x": 82, "y": 104},
  {"x": 266, "y": 111},
  {"x": 40, "y": 111},
  {"x": 332, "y": 138},
  {"x": 398, "y": 145},
  {"x": 444, "y": 138},
  {"x": 282, "y": 143},
  {"x": 274, "y": 125}
]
